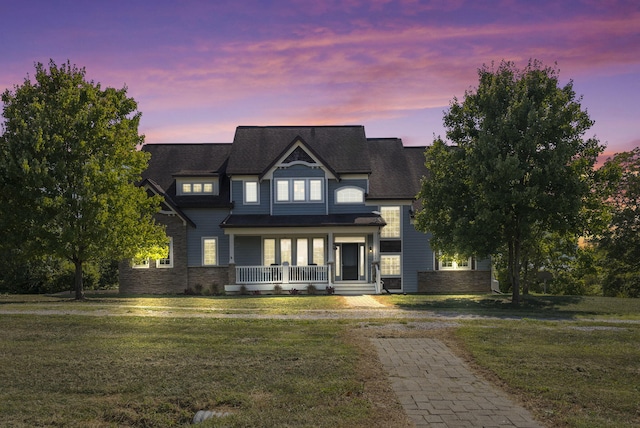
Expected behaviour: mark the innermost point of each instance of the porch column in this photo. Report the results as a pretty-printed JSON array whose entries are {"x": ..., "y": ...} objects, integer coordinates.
[
  {"x": 376, "y": 246},
  {"x": 232, "y": 245},
  {"x": 330, "y": 259}
]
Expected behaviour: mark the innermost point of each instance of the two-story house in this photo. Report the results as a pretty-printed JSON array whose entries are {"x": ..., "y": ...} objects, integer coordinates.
[{"x": 288, "y": 207}]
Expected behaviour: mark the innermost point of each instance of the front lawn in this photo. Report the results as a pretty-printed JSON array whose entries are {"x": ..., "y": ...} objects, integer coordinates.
[{"x": 159, "y": 371}]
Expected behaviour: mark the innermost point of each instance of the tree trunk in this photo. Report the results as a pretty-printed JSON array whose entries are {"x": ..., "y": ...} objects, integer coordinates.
[
  {"x": 78, "y": 280},
  {"x": 515, "y": 274}
]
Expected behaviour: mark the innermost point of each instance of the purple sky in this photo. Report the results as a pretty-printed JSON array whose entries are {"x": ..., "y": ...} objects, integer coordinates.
[{"x": 198, "y": 69}]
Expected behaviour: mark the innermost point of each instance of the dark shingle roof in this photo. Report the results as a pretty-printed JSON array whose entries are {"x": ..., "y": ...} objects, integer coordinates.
[
  {"x": 395, "y": 170},
  {"x": 265, "y": 220},
  {"x": 342, "y": 148},
  {"x": 195, "y": 160}
]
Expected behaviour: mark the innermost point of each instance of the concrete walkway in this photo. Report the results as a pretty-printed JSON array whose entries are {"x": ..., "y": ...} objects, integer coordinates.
[
  {"x": 438, "y": 390},
  {"x": 363, "y": 301}
]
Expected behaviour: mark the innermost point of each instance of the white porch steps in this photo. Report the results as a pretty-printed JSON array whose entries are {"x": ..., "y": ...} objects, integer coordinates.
[{"x": 354, "y": 288}]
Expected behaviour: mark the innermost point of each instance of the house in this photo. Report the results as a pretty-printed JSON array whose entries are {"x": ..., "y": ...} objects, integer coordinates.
[{"x": 289, "y": 207}]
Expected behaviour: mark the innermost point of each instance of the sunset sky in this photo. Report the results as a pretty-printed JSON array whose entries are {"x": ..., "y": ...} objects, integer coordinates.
[{"x": 198, "y": 69}]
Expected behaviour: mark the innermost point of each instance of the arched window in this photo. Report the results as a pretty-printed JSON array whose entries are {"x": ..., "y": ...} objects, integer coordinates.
[{"x": 349, "y": 195}]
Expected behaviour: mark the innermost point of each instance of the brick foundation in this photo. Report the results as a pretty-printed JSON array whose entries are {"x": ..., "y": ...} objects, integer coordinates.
[{"x": 454, "y": 282}]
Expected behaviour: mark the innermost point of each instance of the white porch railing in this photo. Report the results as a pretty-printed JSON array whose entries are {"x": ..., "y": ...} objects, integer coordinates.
[{"x": 281, "y": 274}]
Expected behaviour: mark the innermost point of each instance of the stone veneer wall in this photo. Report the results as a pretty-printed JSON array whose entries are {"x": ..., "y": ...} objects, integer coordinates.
[
  {"x": 208, "y": 279},
  {"x": 177, "y": 279},
  {"x": 153, "y": 280},
  {"x": 454, "y": 282}
]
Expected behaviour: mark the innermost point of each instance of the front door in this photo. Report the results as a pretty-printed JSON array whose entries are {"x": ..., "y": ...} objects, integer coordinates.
[{"x": 350, "y": 262}]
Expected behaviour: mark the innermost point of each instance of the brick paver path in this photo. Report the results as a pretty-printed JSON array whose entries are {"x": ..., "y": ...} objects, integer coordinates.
[{"x": 438, "y": 390}]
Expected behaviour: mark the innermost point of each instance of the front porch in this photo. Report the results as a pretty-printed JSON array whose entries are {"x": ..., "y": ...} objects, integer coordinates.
[{"x": 303, "y": 279}]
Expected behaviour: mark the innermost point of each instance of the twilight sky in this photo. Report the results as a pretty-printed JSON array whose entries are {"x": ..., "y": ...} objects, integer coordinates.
[{"x": 200, "y": 68}]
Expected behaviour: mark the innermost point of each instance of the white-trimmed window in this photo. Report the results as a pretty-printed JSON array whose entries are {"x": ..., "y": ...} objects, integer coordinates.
[
  {"x": 285, "y": 251},
  {"x": 269, "y": 251},
  {"x": 299, "y": 194},
  {"x": 318, "y": 251},
  {"x": 298, "y": 190},
  {"x": 315, "y": 190},
  {"x": 282, "y": 190},
  {"x": 210, "y": 251},
  {"x": 453, "y": 263},
  {"x": 302, "y": 252},
  {"x": 349, "y": 195},
  {"x": 390, "y": 265},
  {"x": 168, "y": 261},
  {"x": 391, "y": 216},
  {"x": 197, "y": 187},
  {"x": 251, "y": 192}
]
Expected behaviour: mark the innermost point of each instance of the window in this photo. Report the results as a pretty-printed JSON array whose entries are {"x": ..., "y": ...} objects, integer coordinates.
[
  {"x": 199, "y": 187},
  {"x": 285, "y": 251},
  {"x": 315, "y": 190},
  {"x": 168, "y": 261},
  {"x": 302, "y": 253},
  {"x": 282, "y": 190},
  {"x": 250, "y": 192},
  {"x": 350, "y": 195},
  {"x": 209, "y": 251},
  {"x": 299, "y": 190},
  {"x": 269, "y": 252},
  {"x": 391, "y": 216},
  {"x": 318, "y": 251},
  {"x": 453, "y": 263},
  {"x": 390, "y": 265}
]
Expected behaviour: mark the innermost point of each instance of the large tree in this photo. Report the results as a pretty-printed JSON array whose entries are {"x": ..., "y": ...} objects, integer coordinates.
[
  {"x": 518, "y": 164},
  {"x": 621, "y": 241},
  {"x": 68, "y": 167}
]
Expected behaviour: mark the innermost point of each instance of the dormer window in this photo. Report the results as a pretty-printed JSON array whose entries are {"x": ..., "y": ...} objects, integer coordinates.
[{"x": 197, "y": 186}]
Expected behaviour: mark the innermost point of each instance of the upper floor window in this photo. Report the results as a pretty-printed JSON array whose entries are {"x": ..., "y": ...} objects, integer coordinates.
[
  {"x": 251, "y": 192},
  {"x": 349, "y": 195},
  {"x": 391, "y": 216},
  {"x": 197, "y": 187},
  {"x": 299, "y": 190}
]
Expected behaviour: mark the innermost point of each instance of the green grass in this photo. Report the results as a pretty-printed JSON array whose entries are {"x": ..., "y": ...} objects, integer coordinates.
[
  {"x": 145, "y": 305},
  {"x": 574, "y": 360},
  {"x": 573, "y": 374},
  {"x": 533, "y": 306},
  {"x": 137, "y": 371}
]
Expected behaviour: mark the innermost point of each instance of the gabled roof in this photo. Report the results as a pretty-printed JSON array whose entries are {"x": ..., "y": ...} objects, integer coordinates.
[
  {"x": 168, "y": 202},
  {"x": 189, "y": 160},
  {"x": 342, "y": 148},
  {"x": 396, "y": 170}
]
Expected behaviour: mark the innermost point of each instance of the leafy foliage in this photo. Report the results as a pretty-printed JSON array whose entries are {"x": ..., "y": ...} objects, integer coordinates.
[
  {"x": 69, "y": 154},
  {"x": 621, "y": 241},
  {"x": 519, "y": 165}
]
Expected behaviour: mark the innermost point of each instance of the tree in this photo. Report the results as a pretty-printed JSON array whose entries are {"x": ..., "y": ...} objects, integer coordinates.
[
  {"x": 68, "y": 167},
  {"x": 621, "y": 241},
  {"x": 519, "y": 165}
]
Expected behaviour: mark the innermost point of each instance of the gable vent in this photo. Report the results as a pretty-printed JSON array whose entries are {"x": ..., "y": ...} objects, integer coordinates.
[{"x": 299, "y": 155}]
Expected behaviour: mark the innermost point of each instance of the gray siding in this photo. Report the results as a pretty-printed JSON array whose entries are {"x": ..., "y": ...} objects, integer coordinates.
[
  {"x": 299, "y": 208},
  {"x": 248, "y": 250},
  {"x": 347, "y": 208},
  {"x": 237, "y": 190},
  {"x": 416, "y": 253},
  {"x": 207, "y": 225}
]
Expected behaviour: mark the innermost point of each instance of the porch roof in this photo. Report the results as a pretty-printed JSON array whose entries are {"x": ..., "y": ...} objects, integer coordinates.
[{"x": 331, "y": 220}]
